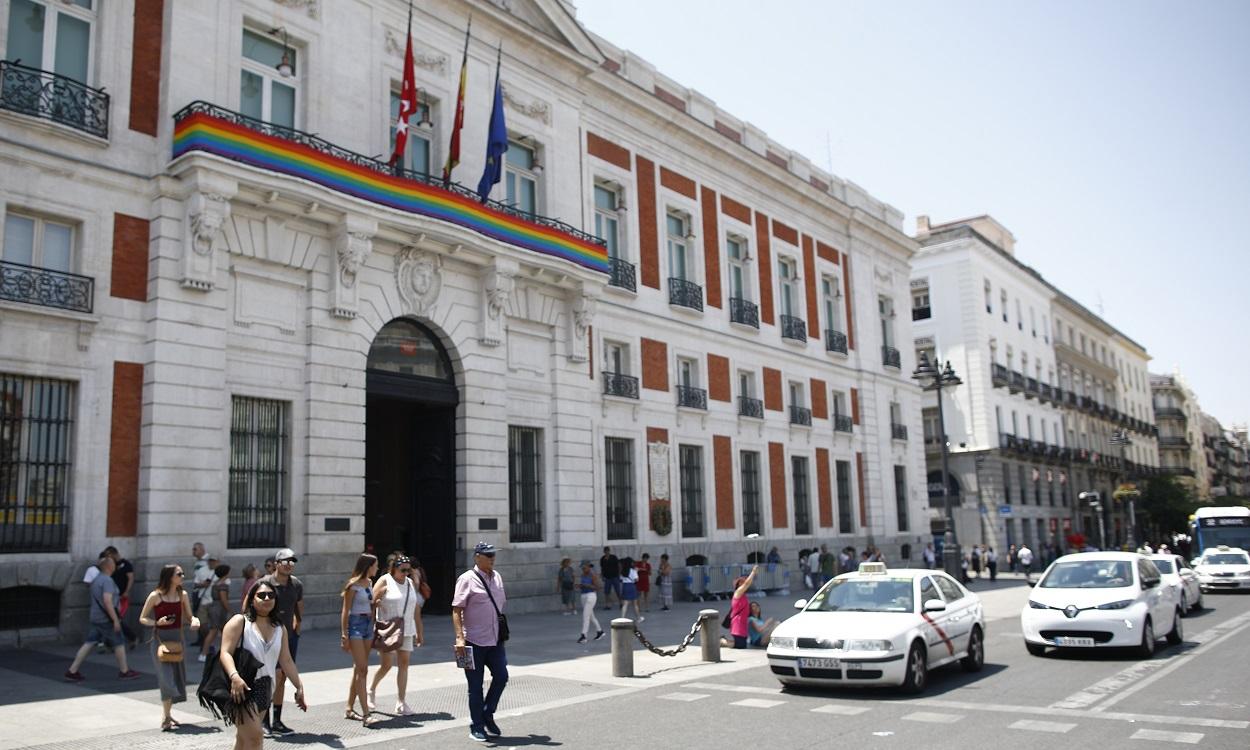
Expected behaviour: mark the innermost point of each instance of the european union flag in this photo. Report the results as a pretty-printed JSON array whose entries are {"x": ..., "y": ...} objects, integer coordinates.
[{"x": 496, "y": 145}]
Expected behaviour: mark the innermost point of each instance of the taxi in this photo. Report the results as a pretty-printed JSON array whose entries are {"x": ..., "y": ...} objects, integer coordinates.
[
  {"x": 1223, "y": 568},
  {"x": 880, "y": 626}
]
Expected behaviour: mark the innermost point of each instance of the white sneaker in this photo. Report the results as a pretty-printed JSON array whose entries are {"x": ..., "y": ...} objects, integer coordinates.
[
  {"x": 402, "y": 709},
  {"x": 200, "y": 658},
  {"x": 641, "y": 618}
]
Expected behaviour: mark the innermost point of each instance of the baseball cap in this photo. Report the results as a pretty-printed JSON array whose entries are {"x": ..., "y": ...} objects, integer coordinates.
[
  {"x": 484, "y": 548},
  {"x": 286, "y": 553}
]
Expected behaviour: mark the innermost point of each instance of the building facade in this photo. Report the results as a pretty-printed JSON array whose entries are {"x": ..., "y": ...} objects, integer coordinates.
[
  {"x": 261, "y": 337},
  {"x": 1180, "y": 433},
  {"x": 1225, "y": 453}
]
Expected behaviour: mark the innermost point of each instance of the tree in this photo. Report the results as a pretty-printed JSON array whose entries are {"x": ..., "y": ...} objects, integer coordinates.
[{"x": 1166, "y": 504}]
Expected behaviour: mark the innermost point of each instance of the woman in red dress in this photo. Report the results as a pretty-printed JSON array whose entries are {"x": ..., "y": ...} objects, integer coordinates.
[{"x": 643, "y": 567}]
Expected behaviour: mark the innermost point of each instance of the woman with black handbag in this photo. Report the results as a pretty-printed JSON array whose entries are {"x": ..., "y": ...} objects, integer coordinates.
[
  {"x": 166, "y": 610},
  {"x": 395, "y": 597}
]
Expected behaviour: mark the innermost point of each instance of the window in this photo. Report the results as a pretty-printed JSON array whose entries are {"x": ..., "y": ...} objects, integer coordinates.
[
  {"x": 920, "y": 309},
  {"x": 688, "y": 373},
  {"x": 258, "y": 473},
  {"x": 1024, "y": 484},
  {"x": 417, "y": 152},
  {"x": 52, "y": 36},
  {"x": 746, "y": 384},
  {"x": 619, "y": 487},
  {"x": 1019, "y": 315},
  {"x": 885, "y": 308},
  {"x": 796, "y": 394},
  {"x": 750, "y": 470},
  {"x": 802, "y": 509},
  {"x": 607, "y": 218},
  {"x": 616, "y": 357},
  {"x": 900, "y": 496},
  {"x": 264, "y": 93},
  {"x": 1033, "y": 322},
  {"x": 989, "y": 297},
  {"x": 521, "y": 177},
  {"x": 36, "y": 425},
  {"x": 525, "y": 485},
  {"x": 1007, "y": 484},
  {"x": 1002, "y": 303},
  {"x": 787, "y": 276},
  {"x": 739, "y": 279},
  {"x": 845, "y": 523},
  {"x": 928, "y": 592},
  {"x": 676, "y": 231},
  {"x": 839, "y": 403},
  {"x": 690, "y": 460},
  {"x": 689, "y": 393},
  {"x": 39, "y": 242},
  {"x": 950, "y": 590},
  {"x": 830, "y": 293}
]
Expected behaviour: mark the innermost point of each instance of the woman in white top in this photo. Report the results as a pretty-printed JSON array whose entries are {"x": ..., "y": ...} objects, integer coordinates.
[
  {"x": 395, "y": 595},
  {"x": 263, "y": 636}
]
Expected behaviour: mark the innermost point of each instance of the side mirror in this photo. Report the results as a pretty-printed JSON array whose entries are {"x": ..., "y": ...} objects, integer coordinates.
[
  {"x": 935, "y": 605},
  {"x": 800, "y": 604}
]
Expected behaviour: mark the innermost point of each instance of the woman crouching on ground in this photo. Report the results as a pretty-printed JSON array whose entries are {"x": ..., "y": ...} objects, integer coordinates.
[
  {"x": 167, "y": 610},
  {"x": 357, "y": 625}
]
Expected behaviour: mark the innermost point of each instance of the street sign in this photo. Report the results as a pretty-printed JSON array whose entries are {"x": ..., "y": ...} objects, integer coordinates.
[{"x": 1004, "y": 510}]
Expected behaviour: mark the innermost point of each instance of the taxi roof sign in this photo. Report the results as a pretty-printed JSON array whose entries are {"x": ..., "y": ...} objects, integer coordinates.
[{"x": 872, "y": 567}]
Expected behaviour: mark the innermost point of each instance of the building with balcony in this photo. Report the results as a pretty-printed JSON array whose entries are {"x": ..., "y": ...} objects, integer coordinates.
[
  {"x": 224, "y": 321},
  {"x": 1179, "y": 419},
  {"x": 1225, "y": 453}
]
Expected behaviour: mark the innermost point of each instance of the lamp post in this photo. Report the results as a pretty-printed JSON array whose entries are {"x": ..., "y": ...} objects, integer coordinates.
[
  {"x": 1095, "y": 503},
  {"x": 1121, "y": 438},
  {"x": 934, "y": 377}
]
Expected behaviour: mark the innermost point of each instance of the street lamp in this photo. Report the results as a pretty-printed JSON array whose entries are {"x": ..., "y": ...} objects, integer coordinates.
[
  {"x": 1095, "y": 504},
  {"x": 933, "y": 377},
  {"x": 1121, "y": 438}
]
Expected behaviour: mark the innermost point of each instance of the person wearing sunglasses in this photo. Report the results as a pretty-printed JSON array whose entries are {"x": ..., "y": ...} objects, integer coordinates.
[
  {"x": 167, "y": 610},
  {"x": 395, "y": 595},
  {"x": 476, "y": 610},
  {"x": 290, "y": 612}
]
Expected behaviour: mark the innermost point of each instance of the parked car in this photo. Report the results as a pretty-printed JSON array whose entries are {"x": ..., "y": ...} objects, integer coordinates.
[
  {"x": 878, "y": 626},
  {"x": 1223, "y": 568},
  {"x": 1177, "y": 574},
  {"x": 1101, "y": 600}
]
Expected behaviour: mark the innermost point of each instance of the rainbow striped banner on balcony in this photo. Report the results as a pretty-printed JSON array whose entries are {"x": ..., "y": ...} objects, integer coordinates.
[{"x": 213, "y": 135}]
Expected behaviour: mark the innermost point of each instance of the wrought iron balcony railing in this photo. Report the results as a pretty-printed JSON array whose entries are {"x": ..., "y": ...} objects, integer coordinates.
[
  {"x": 1031, "y": 387},
  {"x": 800, "y": 415},
  {"x": 921, "y": 313},
  {"x": 1047, "y": 393},
  {"x": 685, "y": 293},
  {"x": 843, "y": 423},
  {"x": 999, "y": 375},
  {"x": 898, "y": 431},
  {"x": 835, "y": 341},
  {"x": 691, "y": 397},
  {"x": 51, "y": 96},
  {"x": 616, "y": 384},
  {"x": 1070, "y": 397},
  {"x": 1169, "y": 411},
  {"x": 890, "y": 357},
  {"x": 1017, "y": 381},
  {"x": 40, "y": 286},
  {"x": 750, "y": 407},
  {"x": 744, "y": 312},
  {"x": 793, "y": 328},
  {"x": 1007, "y": 442},
  {"x": 1174, "y": 441},
  {"x": 621, "y": 274}
]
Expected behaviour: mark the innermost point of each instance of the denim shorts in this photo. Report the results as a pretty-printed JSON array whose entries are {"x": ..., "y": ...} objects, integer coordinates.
[
  {"x": 104, "y": 634},
  {"x": 359, "y": 627}
]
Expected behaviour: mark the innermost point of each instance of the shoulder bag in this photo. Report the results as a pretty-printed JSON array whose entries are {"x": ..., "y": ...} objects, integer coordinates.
[
  {"x": 388, "y": 635},
  {"x": 169, "y": 652},
  {"x": 214, "y": 691},
  {"x": 424, "y": 588},
  {"x": 503, "y": 619}
]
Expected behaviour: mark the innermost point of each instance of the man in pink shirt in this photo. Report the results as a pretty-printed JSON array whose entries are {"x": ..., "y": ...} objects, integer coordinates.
[{"x": 476, "y": 614}]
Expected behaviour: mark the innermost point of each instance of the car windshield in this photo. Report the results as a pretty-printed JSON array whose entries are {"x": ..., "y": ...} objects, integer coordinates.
[
  {"x": 1226, "y": 558},
  {"x": 1164, "y": 566},
  {"x": 865, "y": 595},
  {"x": 1088, "y": 574}
]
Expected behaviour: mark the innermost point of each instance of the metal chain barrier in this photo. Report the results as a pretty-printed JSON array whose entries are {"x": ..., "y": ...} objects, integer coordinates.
[{"x": 694, "y": 630}]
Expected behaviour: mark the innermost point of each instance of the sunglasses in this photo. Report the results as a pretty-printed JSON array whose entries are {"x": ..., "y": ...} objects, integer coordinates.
[
  {"x": 405, "y": 570},
  {"x": 288, "y": 561},
  {"x": 265, "y": 596}
]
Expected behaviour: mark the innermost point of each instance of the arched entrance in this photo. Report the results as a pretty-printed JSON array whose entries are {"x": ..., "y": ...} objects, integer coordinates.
[{"x": 410, "y": 453}]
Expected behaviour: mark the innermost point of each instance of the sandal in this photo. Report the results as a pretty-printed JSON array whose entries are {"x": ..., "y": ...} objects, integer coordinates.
[
  {"x": 168, "y": 725},
  {"x": 351, "y": 715}
]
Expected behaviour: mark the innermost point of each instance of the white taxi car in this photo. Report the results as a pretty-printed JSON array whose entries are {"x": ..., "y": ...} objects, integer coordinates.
[
  {"x": 1101, "y": 600},
  {"x": 1223, "y": 568},
  {"x": 880, "y": 626},
  {"x": 1177, "y": 574}
]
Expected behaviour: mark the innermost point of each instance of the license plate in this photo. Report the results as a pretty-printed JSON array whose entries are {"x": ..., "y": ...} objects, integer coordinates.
[
  {"x": 819, "y": 664},
  {"x": 1070, "y": 641}
]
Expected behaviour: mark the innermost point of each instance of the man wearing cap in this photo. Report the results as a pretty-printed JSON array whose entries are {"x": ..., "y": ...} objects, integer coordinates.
[
  {"x": 476, "y": 607},
  {"x": 290, "y": 613}
]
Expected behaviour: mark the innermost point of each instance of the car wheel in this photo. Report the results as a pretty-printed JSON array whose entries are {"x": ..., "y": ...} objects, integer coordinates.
[
  {"x": 1147, "y": 647},
  {"x": 1036, "y": 649},
  {"x": 917, "y": 669},
  {"x": 976, "y": 652},
  {"x": 1177, "y": 634},
  {"x": 1198, "y": 604},
  {"x": 1184, "y": 604}
]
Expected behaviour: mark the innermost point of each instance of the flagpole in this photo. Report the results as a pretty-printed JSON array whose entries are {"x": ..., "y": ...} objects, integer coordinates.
[{"x": 453, "y": 146}]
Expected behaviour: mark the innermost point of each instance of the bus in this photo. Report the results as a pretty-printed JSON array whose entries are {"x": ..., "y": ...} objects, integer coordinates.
[{"x": 1228, "y": 525}]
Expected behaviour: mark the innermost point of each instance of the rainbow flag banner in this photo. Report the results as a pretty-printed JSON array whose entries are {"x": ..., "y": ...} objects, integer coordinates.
[{"x": 200, "y": 127}]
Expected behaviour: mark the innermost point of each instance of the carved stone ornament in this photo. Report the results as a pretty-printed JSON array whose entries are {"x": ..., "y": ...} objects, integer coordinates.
[
  {"x": 582, "y": 314},
  {"x": 207, "y": 208},
  {"x": 395, "y": 45},
  {"x": 310, "y": 6},
  {"x": 498, "y": 283},
  {"x": 419, "y": 278},
  {"x": 352, "y": 244},
  {"x": 536, "y": 109}
]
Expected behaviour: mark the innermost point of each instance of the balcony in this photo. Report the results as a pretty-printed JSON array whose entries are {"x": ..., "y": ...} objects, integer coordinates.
[
  {"x": 1008, "y": 442},
  {"x": 1173, "y": 442},
  {"x": 835, "y": 341},
  {"x": 999, "y": 375},
  {"x": 54, "y": 97},
  {"x": 1170, "y": 412},
  {"x": 621, "y": 274},
  {"x": 1071, "y": 398},
  {"x": 800, "y": 415},
  {"x": 843, "y": 423},
  {"x": 622, "y": 386},
  {"x": 744, "y": 312},
  {"x": 1031, "y": 388},
  {"x": 750, "y": 407},
  {"x": 898, "y": 431},
  {"x": 793, "y": 328},
  {"x": 683, "y": 293},
  {"x": 1046, "y": 393},
  {"x": 921, "y": 313},
  {"x": 891, "y": 358},
  {"x": 1183, "y": 471},
  {"x": 1016, "y": 384},
  {"x": 691, "y": 397},
  {"x": 40, "y": 286}
]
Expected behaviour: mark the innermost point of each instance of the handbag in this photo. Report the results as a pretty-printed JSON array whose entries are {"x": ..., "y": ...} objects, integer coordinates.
[
  {"x": 388, "y": 635},
  {"x": 727, "y": 623},
  {"x": 214, "y": 691},
  {"x": 503, "y": 619},
  {"x": 169, "y": 652}
]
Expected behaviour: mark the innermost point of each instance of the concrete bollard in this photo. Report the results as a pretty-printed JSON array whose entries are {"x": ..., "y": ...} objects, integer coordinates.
[
  {"x": 622, "y": 647},
  {"x": 709, "y": 634}
]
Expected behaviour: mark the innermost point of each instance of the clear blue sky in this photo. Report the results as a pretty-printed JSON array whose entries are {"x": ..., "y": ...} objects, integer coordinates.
[{"x": 1111, "y": 137}]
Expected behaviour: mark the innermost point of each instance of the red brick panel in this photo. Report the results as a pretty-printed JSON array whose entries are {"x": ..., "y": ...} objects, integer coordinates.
[
  {"x": 729, "y": 132},
  {"x": 826, "y": 253},
  {"x": 145, "y": 66},
  {"x": 766, "y": 268},
  {"x": 711, "y": 247},
  {"x": 677, "y": 182},
  {"x": 670, "y": 98},
  {"x": 129, "y": 276},
  {"x": 846, "y": 293},
  {"x": 854, "y": 406},
  {"x": 809, "y": 273},
  {"x": 734, "y": 209},
  {"x": 657, "y": 435},
  {"x": 818, "y": 183},
  {"x": 772, "y": 389},
  {"x": 820, "y": 399},
  {"x": 785, "y": 232},
  {"x": 718, "y": 388},
  {"x": 648, "y": 238},
  {"x": 863, "y": 492},
  {"x": 602, "y": 148},
  {"x": 723, "y": 466},
  {"x": 777, "y": 159},
  {"x": 123, "y": 489},
  {"x": 777, "y": 483},
  {"x": 654, "y": 365},
  {"x": 824, "y": 492}
]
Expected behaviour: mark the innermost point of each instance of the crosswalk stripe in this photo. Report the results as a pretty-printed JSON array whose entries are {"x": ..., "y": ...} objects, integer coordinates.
[
  {"x": 733, "y": 688},
  {"x": 756, "y": 703},
  {"x": 840, "y": 710},
  {"x": 933, "y": 718},
  {"x": 1042, "y": 726},
  {"x": 686, "y": 697},
  {"x": 1188, "y": 738}
]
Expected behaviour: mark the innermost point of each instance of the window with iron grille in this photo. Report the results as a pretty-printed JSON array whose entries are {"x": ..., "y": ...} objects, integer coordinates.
[
  {"x": 619, "y": 473},
  {"x": 691, "y": 460},
  {"x": 1006, "y": 484},
  {"x": 525, "y": 485},
  {"x": 845, "y": 523},
  {"x": 802, "y": 511},
  {"x": 35, "y": 436},
  {"x": 258, "y": 473},
  {"x": 750, "y": 468},
  {"x": 900, "y": 496}
]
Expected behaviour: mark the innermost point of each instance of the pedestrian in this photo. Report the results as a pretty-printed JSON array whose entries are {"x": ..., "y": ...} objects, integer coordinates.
[
  {"x": 1025, "y": 557},
  {"x": 271, "y": 566},
  {"x": 356, "y": 623},
  {"x": 250, "y": 577},
  {"x": 124, "y": 577},
  {"x": 759, "y": 630},
  {"x": 610, "y": 569},
  {"x": 804, "y": 570},
  {"x": 644, "y": 581},
  {"x": 827, "y": 562},
  {"x": 1012, "y": 558},
  {"x": 813, "y": 564},
  {"x": 846, "y": 559},
  {"x": 629, "y": 588},
  {"x": 395, "y": 596},
  {"x": 991, "y": 562},
  {"x": 665, "y": 578},
  {"x": 975, "y": 555},
  {"x": 289, "y": 612},
  {"x": 565, "y": 588},
  {"x": 260, "y": 630},
  {"x": 167, "y": 610},
  {"x": 774, "y": 556},
  {"x": 476, "y": 618},
  {"x": 218, "y": 611},
  {"x": 105, "y": 625},
  {"x": 417, "y": 576},
  {"x": 587, "y": 585},
  {"x": 740, "y": 611},
  {"x": 201, "y": 576},
  {"x": 930, "y": 557}
]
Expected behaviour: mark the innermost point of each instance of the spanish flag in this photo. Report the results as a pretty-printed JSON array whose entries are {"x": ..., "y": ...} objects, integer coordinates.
[{"x": 453, "y": 151}]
